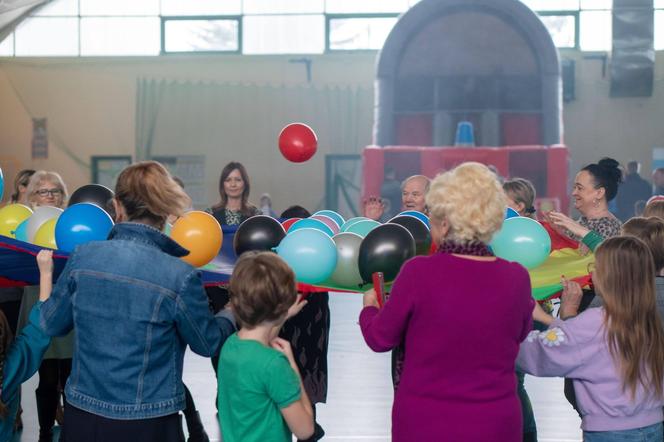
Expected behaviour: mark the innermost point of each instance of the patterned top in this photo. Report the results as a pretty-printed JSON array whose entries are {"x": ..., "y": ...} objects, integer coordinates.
[
  {"x": 606, "y": 227},
  {"x": 228, "y": 217}
]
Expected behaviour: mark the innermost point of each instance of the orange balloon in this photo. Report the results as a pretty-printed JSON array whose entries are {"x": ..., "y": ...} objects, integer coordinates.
[{"x": 199, "y": 233}]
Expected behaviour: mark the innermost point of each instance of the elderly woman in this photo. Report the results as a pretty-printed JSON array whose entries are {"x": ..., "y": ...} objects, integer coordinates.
[
  {"x": 46, "y": 188},
  {"x": 462, "y": 332}
]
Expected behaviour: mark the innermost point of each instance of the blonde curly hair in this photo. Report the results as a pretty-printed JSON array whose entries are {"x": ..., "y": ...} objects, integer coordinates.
[{"x": 472, "y": 201}]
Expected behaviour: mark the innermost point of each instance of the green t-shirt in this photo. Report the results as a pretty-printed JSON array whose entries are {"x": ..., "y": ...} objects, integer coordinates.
[{"x": 255, "y": 382}]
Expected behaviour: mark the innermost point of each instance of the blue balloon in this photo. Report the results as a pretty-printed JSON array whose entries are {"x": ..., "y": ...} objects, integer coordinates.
[
  {"x": 332, "y": 214},
  {"x": 511, "y": 213},
  {"x": 419, "y": 215},
  {"x": 522, "y": 240},
  {"x": 310, "y": 253},
  {"x": 2, "y": 184},
  {"x": 310, "y": 223},
  {"x": 21, "y": 232},
  {"x": 82, "y": 223}
]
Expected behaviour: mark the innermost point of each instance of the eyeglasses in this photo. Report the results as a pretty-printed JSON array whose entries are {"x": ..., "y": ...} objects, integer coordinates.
[{"x": 46, "y": 192}]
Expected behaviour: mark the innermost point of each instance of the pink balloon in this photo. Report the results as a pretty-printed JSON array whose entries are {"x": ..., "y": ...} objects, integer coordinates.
[{"x": 329, "y": 222}]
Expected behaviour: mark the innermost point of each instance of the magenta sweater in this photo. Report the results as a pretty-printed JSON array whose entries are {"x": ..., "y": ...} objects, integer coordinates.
[
  {"x": 577, "y": 349},
  {"x": 462, "y": 322}
]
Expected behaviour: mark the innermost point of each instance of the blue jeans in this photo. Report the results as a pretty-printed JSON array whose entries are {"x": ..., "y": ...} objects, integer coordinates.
[{"x": 652, "y": 433}]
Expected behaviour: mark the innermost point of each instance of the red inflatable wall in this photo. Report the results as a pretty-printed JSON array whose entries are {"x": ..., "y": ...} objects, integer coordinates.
[{"x": 545, "y": 166}]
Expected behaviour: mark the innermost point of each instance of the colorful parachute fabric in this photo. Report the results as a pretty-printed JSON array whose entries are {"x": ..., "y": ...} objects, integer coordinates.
[{"x": 566, "y": 259}]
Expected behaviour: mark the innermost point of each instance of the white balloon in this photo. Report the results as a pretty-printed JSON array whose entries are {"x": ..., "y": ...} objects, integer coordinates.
[{"x": 39, "y": 217}]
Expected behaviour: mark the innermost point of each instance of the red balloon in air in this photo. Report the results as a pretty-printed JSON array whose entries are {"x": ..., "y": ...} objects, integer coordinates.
[{"x": 297, "y": 142}]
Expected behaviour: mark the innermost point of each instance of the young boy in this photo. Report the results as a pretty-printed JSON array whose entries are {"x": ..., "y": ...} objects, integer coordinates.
[{"x": 261, "y": 397}]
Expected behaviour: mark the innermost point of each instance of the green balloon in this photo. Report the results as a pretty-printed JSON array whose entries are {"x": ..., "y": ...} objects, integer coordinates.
[
  {"x": 522, "y": 240},
  {"x": 363, "y": 227},
  {"x": 352, "y": 221}
]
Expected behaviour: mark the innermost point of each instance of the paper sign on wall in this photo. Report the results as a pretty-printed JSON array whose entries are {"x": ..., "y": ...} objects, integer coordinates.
[{"x": 39, "y": 138}]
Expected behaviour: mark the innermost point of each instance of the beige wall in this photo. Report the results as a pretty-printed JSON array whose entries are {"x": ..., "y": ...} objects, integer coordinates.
[{"x": 90, "y": 106}]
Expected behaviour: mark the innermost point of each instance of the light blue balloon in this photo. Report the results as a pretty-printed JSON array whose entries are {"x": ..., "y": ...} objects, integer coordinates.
[
  {"x": 511, "y": 213},
  {"x": 363, "y": 227},
  {"x": 310, "y": 253},
  {"x": 82, "y": 223},
  {"x": 2, "y": 185},
  {"x": 332, "y": 214},
  {"x": 21, "y": 232},
  {"x": 522, "y": 240},
  {"x": 419, "y": 215},
  {"x": 352, "y": 221},
  {"x": 310, "y": 223}
]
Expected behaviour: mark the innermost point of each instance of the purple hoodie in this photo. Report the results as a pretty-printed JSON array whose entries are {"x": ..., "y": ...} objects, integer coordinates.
[{"x": 577, "y": 349}]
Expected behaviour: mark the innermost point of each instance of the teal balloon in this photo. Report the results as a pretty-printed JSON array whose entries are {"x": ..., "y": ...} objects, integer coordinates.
[
  {"x": 511, "y": 213},
  {"x": 363, "y": 227},
  {"x": 522, "y": 240},
  {"x": 2, "y": 184},
  {"x": 419, "y": 215},
  {"x": 310, "y": 253},
  {"x": 310, "y": 223},
  {"x": 352, "y": 221},
  {"x": 21, "y": 232},
  {"x": 332, "y": 214}
]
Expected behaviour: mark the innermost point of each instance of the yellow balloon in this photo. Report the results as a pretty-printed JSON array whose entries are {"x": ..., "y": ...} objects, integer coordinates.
[
  {"x": 11, "y": 216},
  {"x": 45, "y": 236},
  {"x": 199, "y": 233}
]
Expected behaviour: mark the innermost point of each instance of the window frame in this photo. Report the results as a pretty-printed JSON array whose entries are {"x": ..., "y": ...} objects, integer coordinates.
[
  {"x": 577, "y": 25},
  {"x": 330, "y": 17},
  {"x": 165, "y": 18}
]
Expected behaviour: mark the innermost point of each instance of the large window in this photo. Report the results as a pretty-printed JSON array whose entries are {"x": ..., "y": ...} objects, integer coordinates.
[
  {"x": 161, "y": 27},
  {"x": 659, "y": 24}
]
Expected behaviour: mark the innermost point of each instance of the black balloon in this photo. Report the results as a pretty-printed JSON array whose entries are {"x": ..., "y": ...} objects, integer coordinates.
[
  {"x": 385, "y": 249},
  {"x": 418, "y": 229},
  {"x": 95, "y": 194},
  {"x": 259, "y": 232}
]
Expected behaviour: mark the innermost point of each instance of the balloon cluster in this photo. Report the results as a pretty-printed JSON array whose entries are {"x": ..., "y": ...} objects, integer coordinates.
[
  {"x": 327, "y": 250},
  {"x": 522, "y": 240},
  {"x": 84, "y": 220}
]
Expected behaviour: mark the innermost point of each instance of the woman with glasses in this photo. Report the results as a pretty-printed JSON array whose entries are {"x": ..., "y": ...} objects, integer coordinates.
[{"x": 47, "y": 188}]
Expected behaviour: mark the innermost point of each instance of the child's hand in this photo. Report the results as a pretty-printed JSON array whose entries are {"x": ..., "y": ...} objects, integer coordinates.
[
  {"x": 45, "y": 261},
  {"x": 296, "y": 307},
  {"x": 283, "y": 346},
  {"x": 540, "y": 315},
  {"x": 570, "y": 300}
]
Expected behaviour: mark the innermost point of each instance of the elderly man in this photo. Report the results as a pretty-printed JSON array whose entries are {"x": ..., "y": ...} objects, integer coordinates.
[{"x": 413, "y": 191}]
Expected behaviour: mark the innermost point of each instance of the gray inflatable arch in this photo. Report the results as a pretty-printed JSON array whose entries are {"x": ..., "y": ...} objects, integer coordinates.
[{"x": 419, "y": 38}]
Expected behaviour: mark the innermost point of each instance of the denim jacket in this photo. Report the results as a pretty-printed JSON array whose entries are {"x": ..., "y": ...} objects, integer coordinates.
[{"x": 135, "y": 306}]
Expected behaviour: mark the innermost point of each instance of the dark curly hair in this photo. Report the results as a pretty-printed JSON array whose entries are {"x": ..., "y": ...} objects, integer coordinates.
[{"x": 606, "y": 174}]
